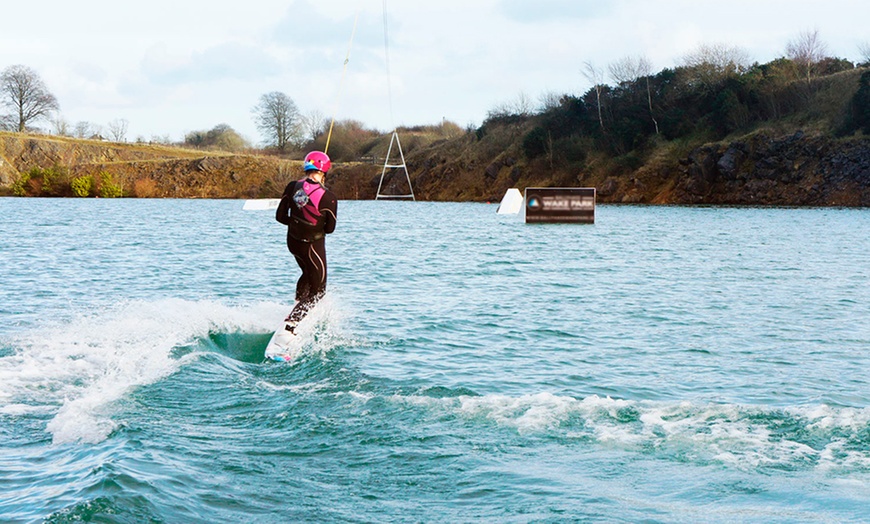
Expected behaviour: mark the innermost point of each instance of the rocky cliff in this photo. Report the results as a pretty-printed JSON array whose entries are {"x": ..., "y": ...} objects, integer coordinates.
[
  {"x": 760, "y": 169},
  {"x": 797, "y": 170},
  {"x": 169, "y": 172}
]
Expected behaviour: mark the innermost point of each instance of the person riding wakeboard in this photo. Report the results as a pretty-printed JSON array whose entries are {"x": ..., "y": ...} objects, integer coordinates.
[{"x": 309, "y": 210}]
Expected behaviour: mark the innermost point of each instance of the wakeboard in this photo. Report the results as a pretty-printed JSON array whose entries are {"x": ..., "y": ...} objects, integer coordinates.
[{"x": 284, "y": 345}]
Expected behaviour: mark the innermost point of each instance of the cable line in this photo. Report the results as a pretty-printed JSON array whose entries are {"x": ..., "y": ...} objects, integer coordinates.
[
  {"x": 387, "y": 59},
  {"x": 394, "y": 139},
  {"x": 341, "y": 83}
]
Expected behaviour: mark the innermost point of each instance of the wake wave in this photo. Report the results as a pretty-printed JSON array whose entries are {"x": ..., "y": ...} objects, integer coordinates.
[
  {"x": 746, "y": 437},
  {"x": 75, "y": 372}
]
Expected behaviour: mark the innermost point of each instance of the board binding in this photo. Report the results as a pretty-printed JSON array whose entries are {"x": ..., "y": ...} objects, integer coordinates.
[{"x": 283, "y": 346}]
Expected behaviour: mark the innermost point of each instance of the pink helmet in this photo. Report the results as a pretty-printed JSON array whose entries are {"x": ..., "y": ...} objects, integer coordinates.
[{"x": 317, "y": 160}]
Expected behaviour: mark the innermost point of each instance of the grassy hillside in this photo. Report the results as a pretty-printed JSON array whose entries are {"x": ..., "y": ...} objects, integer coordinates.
[
  {"x": 41, "y": 165},
  {"x": 37, "y": 165}
]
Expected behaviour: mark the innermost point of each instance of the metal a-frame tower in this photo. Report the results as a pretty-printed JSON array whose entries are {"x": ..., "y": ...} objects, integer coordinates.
[{"x": 387, "y": 165}]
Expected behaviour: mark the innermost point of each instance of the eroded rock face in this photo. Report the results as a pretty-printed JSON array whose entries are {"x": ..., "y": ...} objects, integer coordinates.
[
  {"x": 8, "y": 173},
  {"x": 730, "y": 162},
  {"x": 609, "y": 187},
  {"x": 794, "y": 170},
  {"x": 759, "y": 169}
]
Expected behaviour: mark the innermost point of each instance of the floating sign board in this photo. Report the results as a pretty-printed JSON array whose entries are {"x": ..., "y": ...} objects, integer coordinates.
[{"x": 560, "y": 204}]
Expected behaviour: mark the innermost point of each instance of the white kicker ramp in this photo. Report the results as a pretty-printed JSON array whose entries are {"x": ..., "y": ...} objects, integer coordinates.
[
  {"x": 261, "y": 204},
  {"x": 511, "y": 202}
]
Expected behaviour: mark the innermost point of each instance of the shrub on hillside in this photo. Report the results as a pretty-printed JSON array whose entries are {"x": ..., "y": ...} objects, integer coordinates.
[
  {"x": 53, "y": 181},
  {"x": 535, "y": 142},
  {"x": 222, "y": 137},
  {"x": 145, "y": 188},
  {"x": 831, "y": 65},
  {"x": 450, "y": 129},
  {"x": 20, "y": 186},
  {"x": 108, "y": 187},
  {"x": 350, "y": 138},
  {"x": 82, "y": 185},
  {"x": 573, "y": 150}
]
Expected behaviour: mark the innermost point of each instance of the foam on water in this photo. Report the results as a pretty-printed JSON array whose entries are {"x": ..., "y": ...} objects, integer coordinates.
[
  {"x": 322, "y": 328},
  {"x": 744, "y": 437},
  {"x": 76, "y": 370}
]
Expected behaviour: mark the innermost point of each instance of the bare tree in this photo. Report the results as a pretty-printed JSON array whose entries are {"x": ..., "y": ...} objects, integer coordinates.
[
  {"x": 277, "y": 118},
  {"x": 596, "y": 76},
  {"x": 523, "y": 105},
  {"x": 84, "y": 129},
  {"x": 709, "y": 64},
  {"x": 644, "y": 69},
  {"x": 314, "y": 123},
  {"x": 118, "y": 129},
  {"x": 864, "y": 49},
  {"x": 500, "y": 110},
  {"x": 630, "y": 69},
  {"x": 61, "y": 126},
  {"x": 25, "y": 93},
  {"x": 164, "y": 140},
  {"x": 806, "y": 50},
  {"x": 549, "y": 100},
  {"x": 520, "y": 106},
  {"x": 722, "y": 58}
]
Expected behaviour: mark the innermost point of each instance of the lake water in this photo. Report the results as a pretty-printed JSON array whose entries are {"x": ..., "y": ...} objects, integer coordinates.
[{"x": 665, "y": 364}]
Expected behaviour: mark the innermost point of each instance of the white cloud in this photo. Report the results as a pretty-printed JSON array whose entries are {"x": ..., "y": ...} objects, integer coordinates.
[
  {"x": 556, "y": 10},
  {"x": 228, "y": 60}
]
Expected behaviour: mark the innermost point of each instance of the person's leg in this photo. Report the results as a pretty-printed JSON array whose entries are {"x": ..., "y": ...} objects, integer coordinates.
[
  {"x": 317, "y": 258},
  {"x": 303, "y": 288},
  {"x": 300, "y": 250},
  {"x": 312, "y": 284}
]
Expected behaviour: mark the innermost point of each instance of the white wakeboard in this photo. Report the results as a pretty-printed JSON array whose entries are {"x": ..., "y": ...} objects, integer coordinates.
[{"x": 284, "y": 345}]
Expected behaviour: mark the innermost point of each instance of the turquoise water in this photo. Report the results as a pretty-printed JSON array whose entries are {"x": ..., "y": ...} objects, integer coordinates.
[{"x": 663, "y": 365}]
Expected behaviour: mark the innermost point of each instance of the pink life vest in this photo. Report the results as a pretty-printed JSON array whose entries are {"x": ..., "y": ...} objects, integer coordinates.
[{"x": 307, "y": 199}]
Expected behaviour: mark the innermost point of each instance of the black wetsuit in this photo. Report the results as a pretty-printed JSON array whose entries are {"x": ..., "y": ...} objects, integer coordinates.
[{"x": 309, "y": 211}]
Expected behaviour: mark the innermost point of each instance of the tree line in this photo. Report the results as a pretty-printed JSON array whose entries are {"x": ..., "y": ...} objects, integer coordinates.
[
  {"x": 714, "y": 91},
  {"x": 283, "y": 127}
]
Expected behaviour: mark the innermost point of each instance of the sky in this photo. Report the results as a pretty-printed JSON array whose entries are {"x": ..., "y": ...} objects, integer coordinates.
[{"x": 169, "y": 67}]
